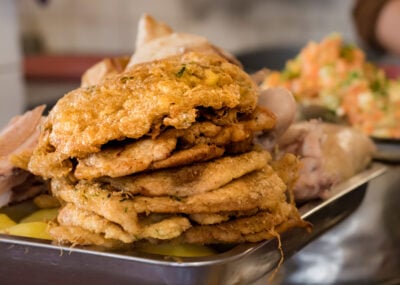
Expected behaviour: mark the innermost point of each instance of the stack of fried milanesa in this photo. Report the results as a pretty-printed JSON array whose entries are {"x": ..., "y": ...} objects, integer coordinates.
[{"x": 164, "y": 151}]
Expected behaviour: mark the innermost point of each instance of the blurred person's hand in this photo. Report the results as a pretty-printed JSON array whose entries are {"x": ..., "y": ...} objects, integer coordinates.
[
  {"x": 377, "y": 23},
  {"x": 387, "y": 27}
]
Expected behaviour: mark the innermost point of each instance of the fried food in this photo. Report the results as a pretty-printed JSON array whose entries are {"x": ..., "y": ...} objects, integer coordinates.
[
  {"x": 242, "y": 229},
  {"x": 334, "y": 76},
  {"x": 226, "y": 214},
  {"x": 198, "y": 153},
  {"x": 125, "y": 160},
  {"x": 261, "y": 189},
  {"x": 193, "y": 179},
  {"x": 211, "y": 219},
  {"x": 164, "y": 227},
  {"x": 70, "y": 215},
  {"x": 142, "y": 101},
  {"x": 79, "y": 236},
  {"x": 168, "y": 90},
  {"x": 200, "y": 142},
  {"x": 164, "y": 149}
]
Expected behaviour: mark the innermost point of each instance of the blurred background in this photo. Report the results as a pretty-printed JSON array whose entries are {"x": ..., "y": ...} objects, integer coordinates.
[{"x": 47, "y": 44}]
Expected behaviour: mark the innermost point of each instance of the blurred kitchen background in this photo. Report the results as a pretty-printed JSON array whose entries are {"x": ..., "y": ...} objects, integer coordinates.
[{"x": 47, "y": 44}]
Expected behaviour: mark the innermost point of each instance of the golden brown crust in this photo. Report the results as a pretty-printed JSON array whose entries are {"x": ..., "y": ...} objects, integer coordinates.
[
  {"x": 261, "y": 189},
  {"x": 162, "y": 227},
  {"x": 79, "y": 236},
  {"x": 202, "y": 141},
  {"x": 193, "y": 179},
  {"x": 258, "y": 227},
  {"x": 127, "y": 105}
]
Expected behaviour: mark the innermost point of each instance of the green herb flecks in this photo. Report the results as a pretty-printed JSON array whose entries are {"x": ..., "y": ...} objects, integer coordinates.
[
  {"x": 379, "y": 88},
  {"x": 347, "y": 52},
  {"x": 351, "y": 77}
]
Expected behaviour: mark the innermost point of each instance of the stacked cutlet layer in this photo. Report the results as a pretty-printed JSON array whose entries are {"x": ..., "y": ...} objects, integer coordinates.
[{"x": 163, "y": 151}]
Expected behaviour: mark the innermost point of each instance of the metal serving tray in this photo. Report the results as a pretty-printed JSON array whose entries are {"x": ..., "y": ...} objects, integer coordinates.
[
  {"x": 388, "y": 150},
  {"x": 31, "y": 261}
]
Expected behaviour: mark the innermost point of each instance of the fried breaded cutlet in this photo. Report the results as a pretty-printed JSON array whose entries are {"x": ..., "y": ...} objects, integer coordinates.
[
  {"x": 261, "y": 189},
  {"x": 154, "y": 226},
  {"x": 79, "y": 236},
  {"x": 200, "y": 142},
  {"x": 130, "y": 103},
  {"x": 169, "y": 95},
  {"x": 250, "y": 207},
  {"x": 162, "y": 149},
  {"x": 193, "y": 179},
  {"x": 261, "y": 226}
]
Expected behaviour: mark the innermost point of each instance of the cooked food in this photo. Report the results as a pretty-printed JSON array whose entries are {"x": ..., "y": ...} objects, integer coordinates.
[
  {"x": 329, "y": 154},
  {"x": 140, "y": 102},
  {"x": 31, "y": 229},
  {"x": 337, "y": 77},
  {"x": 281, "y": 101},
  {"x": 157, "y": 40},
  {"x": 6, "y": 222},
  {"x": 125, "y": 160},
  {"x": 258, "y": 227},
  {"x": 79, "y": 236},
  {"x": 160, "y": 227},
  {"x": 17, "y": 141},
  {"x": 261, "y": 189},
  {"x": 193, "y": 179},
  {"x": 164, "y": 148},
  {"x": 202, "y": 141}
]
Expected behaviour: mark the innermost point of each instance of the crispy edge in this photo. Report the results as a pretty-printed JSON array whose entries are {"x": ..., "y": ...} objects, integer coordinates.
[{"x": 193, "y": 179}]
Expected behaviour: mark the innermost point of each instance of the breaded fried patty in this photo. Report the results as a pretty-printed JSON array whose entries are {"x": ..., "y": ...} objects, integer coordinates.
[
  {"x": 129, "y": 104},
  {"x": 261, "y": 189},
  {"x": 193, "y": 179},
  {"x": 163, "y": 149},
  {"x": 171, "y": 93}
]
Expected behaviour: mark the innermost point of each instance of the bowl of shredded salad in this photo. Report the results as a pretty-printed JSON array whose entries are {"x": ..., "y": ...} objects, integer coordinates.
[{"x": 336, "y": 76}]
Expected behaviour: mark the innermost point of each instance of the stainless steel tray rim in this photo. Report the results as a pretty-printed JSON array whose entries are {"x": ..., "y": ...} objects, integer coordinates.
[
  {"x": 347, "y": 186},
  {"x": 239, "y": 251}
]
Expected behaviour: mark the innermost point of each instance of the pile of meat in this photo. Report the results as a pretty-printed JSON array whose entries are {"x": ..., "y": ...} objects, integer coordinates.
[{"x": 164, "y": 150}]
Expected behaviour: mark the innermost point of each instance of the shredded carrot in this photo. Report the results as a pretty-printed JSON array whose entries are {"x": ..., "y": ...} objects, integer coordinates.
[{"x": 338, "y": 77}]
